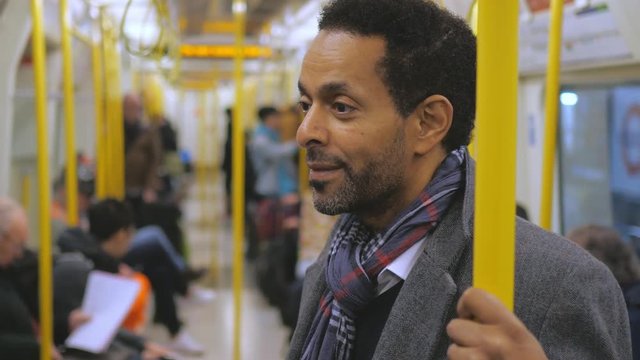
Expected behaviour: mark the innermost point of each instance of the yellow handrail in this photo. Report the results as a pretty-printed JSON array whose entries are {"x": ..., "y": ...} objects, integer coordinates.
[
  {"x": 215, "y": 178},
  {"x": 71, "y": 178},
  {"x": 114, "y": 117},
  {"x": 82, "y": 37},
  {"x": 201, "y": 168},
  {"x": 26, "y": 191},
  {"x": 98, "y": 94},
  {"x": 108, "y": 154},
  {"x": 238, "y": 173},
  {"x": 472, "y": 20},
  {"x": 494, "y": 230},
  {"x": 551, "y": 112},
  {"x": 45, "y": 264}
]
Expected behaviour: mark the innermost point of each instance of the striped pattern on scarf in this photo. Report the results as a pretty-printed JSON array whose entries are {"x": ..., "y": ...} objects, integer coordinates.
[{"x": 357, "y": 256}]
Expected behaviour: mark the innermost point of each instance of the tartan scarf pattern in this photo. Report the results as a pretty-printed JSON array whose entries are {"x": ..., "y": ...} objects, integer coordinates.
[{"x": 357, "y": 256}]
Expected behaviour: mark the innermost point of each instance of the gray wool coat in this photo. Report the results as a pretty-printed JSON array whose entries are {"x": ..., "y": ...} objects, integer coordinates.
[{"x": 566, "y": 298}]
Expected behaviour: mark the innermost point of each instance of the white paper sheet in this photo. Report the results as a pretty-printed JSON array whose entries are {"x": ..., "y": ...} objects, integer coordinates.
[{"x": 107, "y": 299}]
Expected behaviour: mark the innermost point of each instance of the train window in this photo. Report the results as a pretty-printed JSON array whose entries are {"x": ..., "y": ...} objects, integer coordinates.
[{"x": 599, "y": 153}]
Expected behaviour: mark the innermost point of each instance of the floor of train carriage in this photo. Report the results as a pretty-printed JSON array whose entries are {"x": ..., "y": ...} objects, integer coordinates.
[{"x": 263, "y": 335}]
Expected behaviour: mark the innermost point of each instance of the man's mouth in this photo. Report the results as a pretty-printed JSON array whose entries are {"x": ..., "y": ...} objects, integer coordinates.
[{"x": 323, "y": 171}]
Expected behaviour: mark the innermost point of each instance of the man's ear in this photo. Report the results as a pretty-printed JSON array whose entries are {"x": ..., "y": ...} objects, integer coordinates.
[{"x": 433, "y": 118}]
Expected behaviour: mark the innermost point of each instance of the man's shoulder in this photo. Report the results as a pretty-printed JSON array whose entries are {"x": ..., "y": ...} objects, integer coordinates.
[
  {"x": 541, "y": 250},
  {"x": 552, "y": 269}
]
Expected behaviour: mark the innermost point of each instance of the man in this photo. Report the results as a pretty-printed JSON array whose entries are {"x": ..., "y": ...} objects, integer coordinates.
[
  {"x": 272, "y": 158},
  {"x": 388, "y": 88},
  {"x": 18, "y": 339},
  {"x": 109, "y": 239},
  {"x": 143, "y": 154}
]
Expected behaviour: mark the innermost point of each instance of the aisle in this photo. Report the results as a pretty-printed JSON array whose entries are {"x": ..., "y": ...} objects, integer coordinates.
[{"x": 264, "y": 337}]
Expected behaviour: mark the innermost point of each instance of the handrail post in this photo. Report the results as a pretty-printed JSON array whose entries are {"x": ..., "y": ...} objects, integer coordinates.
[
  {"x": 551, "y": 112},
  {"x": 71, "y": 177},
  {"x": 98, "y": 93},
  {"x": 45, "y": 262},
  {"x": 494, "y": 230},
  {"x": 238, "y": 173}
]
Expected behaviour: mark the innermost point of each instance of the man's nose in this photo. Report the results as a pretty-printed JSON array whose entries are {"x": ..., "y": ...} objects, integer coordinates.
[{"x": 313, "y": 129}]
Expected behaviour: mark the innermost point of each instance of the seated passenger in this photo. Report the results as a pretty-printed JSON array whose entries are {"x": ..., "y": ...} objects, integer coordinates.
[
  {"x": 18, "y": 339},
  {"x": 86, "y": 188},
  {"x": 108, "y": 242},
  {"x": 605, "y": 244}
]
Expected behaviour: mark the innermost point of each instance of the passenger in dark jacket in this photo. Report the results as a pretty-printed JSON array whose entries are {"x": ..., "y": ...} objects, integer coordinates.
[
  {"x": 605, "y": 244},
  {"x": 18, "y": 338}
]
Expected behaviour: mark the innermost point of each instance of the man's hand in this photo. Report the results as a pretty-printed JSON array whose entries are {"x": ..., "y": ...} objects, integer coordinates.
[
  {"x": 149, "y": 195},
  {"x": 55, "y": 354},
  {"x": 77, "y": 318},
  {"x": 153, "y": 351},
  {"x": 486, "y": 330},
  {"x": 125, "y": 270}
]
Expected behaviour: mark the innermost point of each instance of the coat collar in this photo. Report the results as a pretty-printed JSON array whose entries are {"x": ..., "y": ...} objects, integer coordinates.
[{"x": 428, "y": 297}]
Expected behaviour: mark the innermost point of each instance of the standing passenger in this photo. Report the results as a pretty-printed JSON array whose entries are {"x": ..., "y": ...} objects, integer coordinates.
[
  {"x": 388, "y": 88},
  {"x": 276, "y": 175},
  {"x": 606, "y": 245},
  {"x": 273, "y": 159}
]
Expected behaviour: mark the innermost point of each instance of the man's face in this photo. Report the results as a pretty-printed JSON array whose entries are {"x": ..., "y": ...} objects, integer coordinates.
[
  {"x": 13, "y": 241},
  {"x": 354, "y": 137},
  {"x": 122, "y": 242}
]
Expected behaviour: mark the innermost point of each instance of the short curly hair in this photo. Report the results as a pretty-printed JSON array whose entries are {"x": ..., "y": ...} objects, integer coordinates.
[
  {"x": 429, "y": 51},
  {"x": 606, "y": 245}
]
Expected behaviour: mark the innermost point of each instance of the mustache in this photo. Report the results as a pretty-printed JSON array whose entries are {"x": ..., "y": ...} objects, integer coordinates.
[{"x": 318, "y": 156}]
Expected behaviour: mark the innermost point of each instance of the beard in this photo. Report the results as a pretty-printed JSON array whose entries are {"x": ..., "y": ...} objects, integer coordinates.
[{"x": 366, "y": 190}]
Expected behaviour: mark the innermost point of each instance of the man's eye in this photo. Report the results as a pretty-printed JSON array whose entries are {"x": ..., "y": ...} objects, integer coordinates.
[
  {"x": 342, "y": 108},
  {"x": 304, "y": 106}
]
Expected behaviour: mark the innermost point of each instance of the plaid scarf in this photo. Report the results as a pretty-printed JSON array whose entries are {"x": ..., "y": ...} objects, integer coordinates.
[{"x": 357, "y": 256}]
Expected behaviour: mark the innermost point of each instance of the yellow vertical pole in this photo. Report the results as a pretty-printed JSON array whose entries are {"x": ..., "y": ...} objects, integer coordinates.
[
  {"x": 215, "y": 265},
  {"x": 98, "y": 94},
  {"x": 45, "y": 264},
  {"x": 26, "y": 191},
  {"x": 472, "y": 20},
  {"x": 108, "y": 150},
  {"x": 113, "y": 86},
  {"x": 201, "y": 168},
  {"x": 71, "y": 177},
  {"x": 494, "y": 230},
  {"x": 238, "y": 154},
  {"x": 551, "y": 112}
]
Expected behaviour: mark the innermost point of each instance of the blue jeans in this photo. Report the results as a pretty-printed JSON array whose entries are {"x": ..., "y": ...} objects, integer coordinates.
[
  {"x": 153, "y": 255},
  {"x": 152, "y": 236}
]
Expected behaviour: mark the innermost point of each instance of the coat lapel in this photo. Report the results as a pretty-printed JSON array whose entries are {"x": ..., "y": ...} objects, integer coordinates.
[{"x": 416, "y": 325}]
